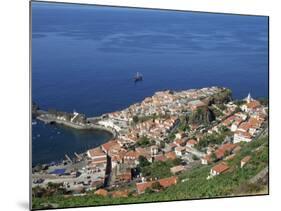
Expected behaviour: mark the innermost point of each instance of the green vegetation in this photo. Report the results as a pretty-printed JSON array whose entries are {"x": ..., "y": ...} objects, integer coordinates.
[
  {"x": 222, "y": 97},
  {"x": 144, "y": 142},
  {"x": 183, "y": 124},
  {"x": 202, "y": 116},
  {"x": 239, "y": 102},
  {"x": 263, "y": 101},
  {"x": 214, "y": 138},
  {"x": 143, "y": 162},
  {"x": 139, "y": 119},
  {"x": 233, "y": 182},
  {"x": 216, "y": 111},
  {"x": 198, "y": 117},
  {"x": 194, "y": 157},
  {"x": 159, "y": 169},
  {"x": 135, "y": 119}
]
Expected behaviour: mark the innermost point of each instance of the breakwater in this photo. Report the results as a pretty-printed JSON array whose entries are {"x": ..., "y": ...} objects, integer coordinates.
[{"x": 87, "y": 125}]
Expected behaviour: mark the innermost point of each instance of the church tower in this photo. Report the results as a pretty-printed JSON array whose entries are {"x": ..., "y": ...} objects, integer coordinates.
[{"x": 249, "y": 98}]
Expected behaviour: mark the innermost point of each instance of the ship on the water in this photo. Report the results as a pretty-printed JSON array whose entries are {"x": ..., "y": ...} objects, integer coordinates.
[{"x": 138, "y": 77}]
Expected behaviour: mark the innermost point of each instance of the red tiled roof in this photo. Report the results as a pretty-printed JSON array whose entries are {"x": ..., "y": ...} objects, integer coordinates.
[
  {"x": 166, "y": 182},
  {"x": 141, "y": 187},
  {"x": 229, "y": 120},
  {"x": 171, "y": 155},
  {"x": 244, "y": 126},
  {"x": 243, "y": 134},
  {"x": 253, "y": 104},
  {"x": 192, "y": 142},
  {"x": 132, "y": 155},
  {"x": 120, "y": 193},
  {"x": 246, "y": 159},
  {"x": 99, "y": 160},
  {"x": 224, "y": 148},
  {"x": 127, "y": 176},
  {"x": 96, "y": 152},
  {"x": 177, "y": 169},
  {"x": 179, "y": 142},
  {"x": 172, "y": 144},
  {"x": 207, "y": 158},
  {"x": 220, "y": 168},
  {"x": 101, "y": 192},
  {"x": 160, "y": 158},
  {"x": 107, "y": 146},
  {"x": 179, "y": 149}
]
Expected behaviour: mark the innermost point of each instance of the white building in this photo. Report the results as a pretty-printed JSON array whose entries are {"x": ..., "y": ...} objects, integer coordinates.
[
  {"x": 241, "y": 136},
  {"x": 109, "y": 123}
]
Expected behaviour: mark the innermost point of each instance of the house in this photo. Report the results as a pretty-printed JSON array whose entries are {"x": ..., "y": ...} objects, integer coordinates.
[
  {"x": 154, "y": 150},
  {"x": 206, "y": 159},
  {"x": 145, "y": 152},
  {"x": 141, "y": 187},
  {"x": 172, "y": 146},
  {"x": 101, "y": 192},
  {"x": 97, "y": 156},
  {"x": 165, "y": 183},
  {"x": 179, "y": 151},
  {"x": 109, "y": 123},
  {"x": 251, "y": 105},
  {"x": 108, "y": 145},
  {"x": 177, "y": 169},
  {"x": 124, "y": 176},
  {"x": 219, "y": 169},
  {"x": 160, "y": 157},
  {"x": 117, "y": 157},
  {"x": 191, "y": 143},
  {"x": 244, "y": 127},
  {"x": 228, "y": 121},
  {"x": 195, "y": 104},
  {"x": 224, "y": 149},
  {"x": 131, "y": 158},
  {"x": 244, "y": 161},
  {"x": 171, "y": 155},
  {"x": 180, "y": 135},
  {"x": 179, "y": 142},
  {"x": 241, "y": 136},
  {"x": 120, "y": 193}
]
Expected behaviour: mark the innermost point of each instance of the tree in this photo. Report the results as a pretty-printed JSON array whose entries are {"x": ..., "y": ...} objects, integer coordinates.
[
  {"x": 143, "y": 161},
  {"x": 213, "y": 156},
  {"x": 162, "y": 144},
  {"x": 144, "y": 141},
  {"x": 263, "y": 101},
  {"x": 223, "y": 129},
  {"x": 194, "y": 157},
  {"x": 237, "y": 109},
  {"x": 135, "y": 119}
]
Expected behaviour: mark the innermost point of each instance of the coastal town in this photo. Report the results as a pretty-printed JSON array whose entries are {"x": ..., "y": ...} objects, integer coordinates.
[{"x": 177, "y": 131}]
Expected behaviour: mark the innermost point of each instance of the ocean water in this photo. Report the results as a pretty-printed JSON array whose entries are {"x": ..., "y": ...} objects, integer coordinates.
[{"x": 84, "y": 58}]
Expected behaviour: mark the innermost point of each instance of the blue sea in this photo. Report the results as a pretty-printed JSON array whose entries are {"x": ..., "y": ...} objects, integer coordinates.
[{"x": 84, "y": 58}]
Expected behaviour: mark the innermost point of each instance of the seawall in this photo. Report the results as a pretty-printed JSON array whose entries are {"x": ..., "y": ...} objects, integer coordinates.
[{"x": 88, "y": 126}]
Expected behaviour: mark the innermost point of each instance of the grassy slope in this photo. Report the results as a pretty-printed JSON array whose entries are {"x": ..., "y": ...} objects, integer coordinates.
[{"x": 196, "y": 186}]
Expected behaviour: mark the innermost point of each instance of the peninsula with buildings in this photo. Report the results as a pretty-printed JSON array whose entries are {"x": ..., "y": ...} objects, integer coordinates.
[{"x": 174, "y": 145}]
